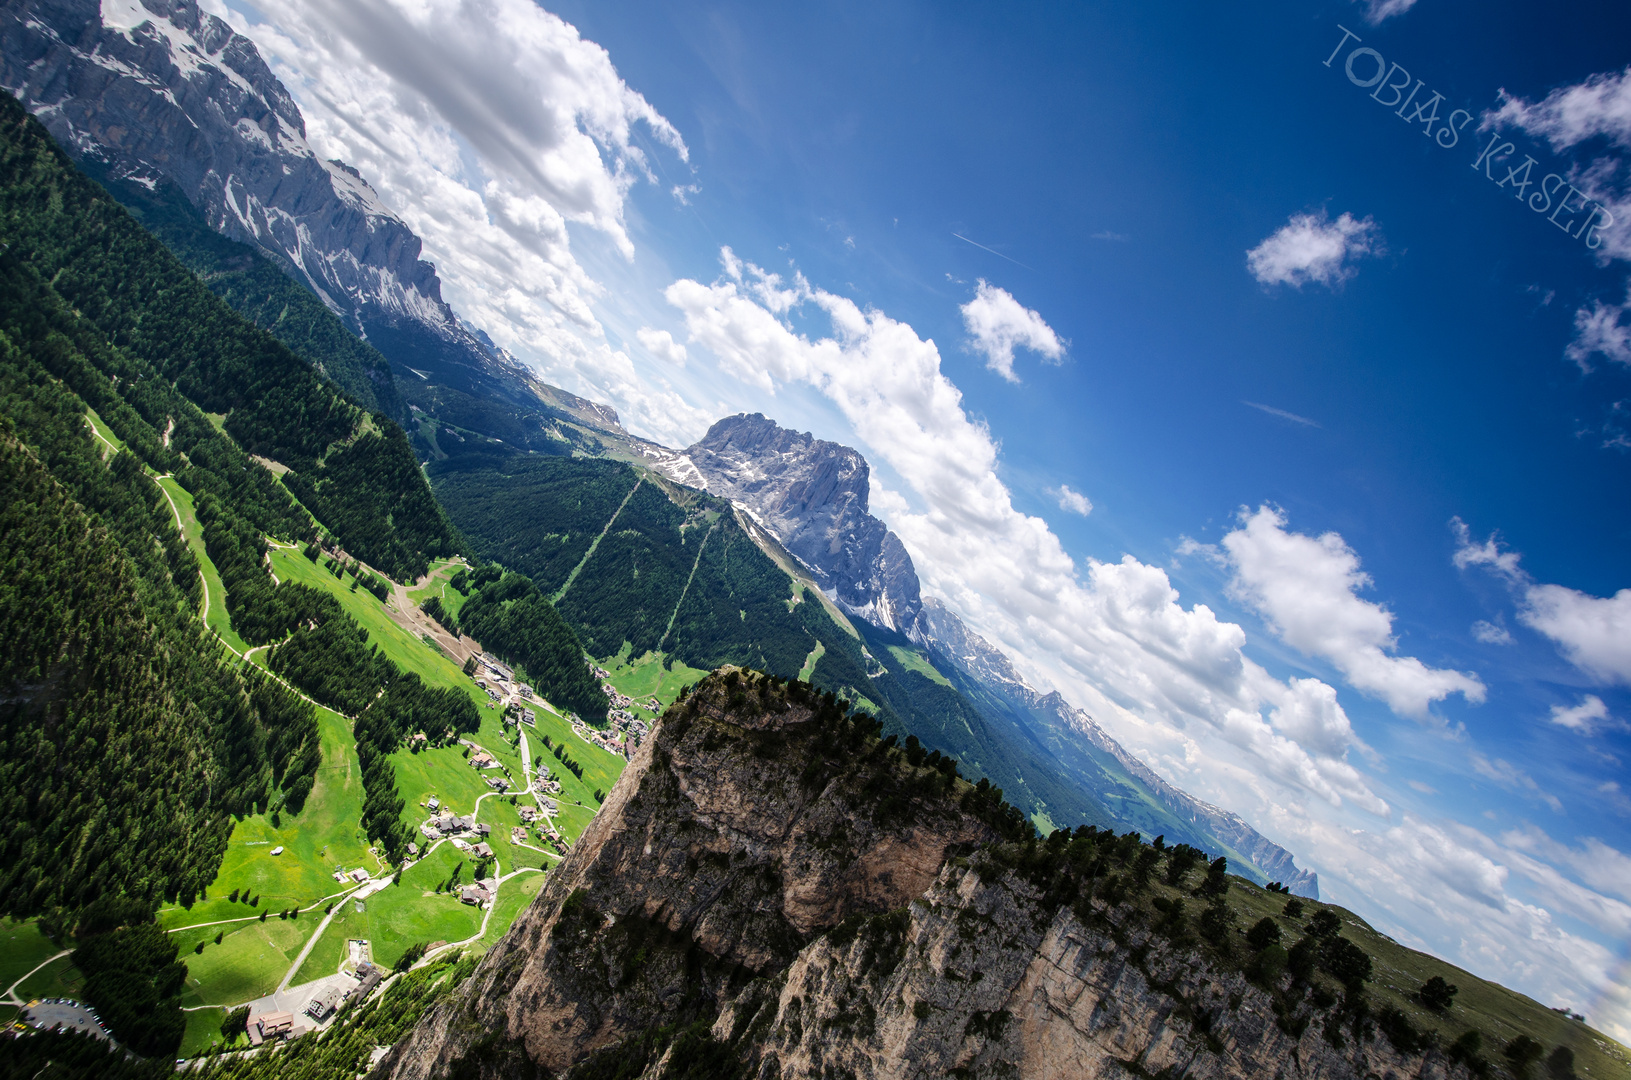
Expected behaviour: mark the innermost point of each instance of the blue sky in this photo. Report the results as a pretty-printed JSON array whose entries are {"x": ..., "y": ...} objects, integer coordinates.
[{"x": 1271, "y": 598}]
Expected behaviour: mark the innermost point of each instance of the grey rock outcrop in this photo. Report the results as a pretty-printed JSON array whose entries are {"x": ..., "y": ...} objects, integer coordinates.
[
  {"x": 812, "y": 495},
  {"x": 771, "y": 877}
]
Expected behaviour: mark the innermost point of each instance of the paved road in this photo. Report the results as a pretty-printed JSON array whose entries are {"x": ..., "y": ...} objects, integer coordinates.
[{"x": 11, "y": 991}]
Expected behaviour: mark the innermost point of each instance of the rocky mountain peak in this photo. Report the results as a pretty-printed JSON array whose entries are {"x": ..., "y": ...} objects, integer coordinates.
[
  {"x": 812, "y": 495},
  {"x": 162, "y": 91}
]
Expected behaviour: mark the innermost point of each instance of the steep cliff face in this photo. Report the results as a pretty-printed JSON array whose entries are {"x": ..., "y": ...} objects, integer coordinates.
[
  {"x": 812, "y": 495},
  {"x": 752, "y": 821}
]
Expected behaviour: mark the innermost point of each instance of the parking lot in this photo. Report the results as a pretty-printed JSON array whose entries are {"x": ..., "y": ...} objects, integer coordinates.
[{"x": 50, "y": 1013}]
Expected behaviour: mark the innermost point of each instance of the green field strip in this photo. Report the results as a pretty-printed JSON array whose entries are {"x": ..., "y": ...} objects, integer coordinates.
[
  {"x": 59, "y": 978},
  {"x": 104, "y": 434},
  {"x": 412, "y": 912},
  {"x": 250, "y": 961},
  {"x": 22, "y": 949},
  {"x": 514, "y": 894},
  {"x": 913, "y": 660},
  {"x": 324, "y": 837},
  {"x": 812, "y": 660},
  {"x": 203, "y": 1031},
  {"x": 595, "y": 543},
  {"x": 215, "y": 593}
]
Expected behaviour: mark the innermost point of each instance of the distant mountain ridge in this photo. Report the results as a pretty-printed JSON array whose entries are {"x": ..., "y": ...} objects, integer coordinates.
[{"x": 811, "y": 495}]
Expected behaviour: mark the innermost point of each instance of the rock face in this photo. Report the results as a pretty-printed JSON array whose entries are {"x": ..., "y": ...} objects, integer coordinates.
[
  {"x": 1213, "y": 826},
  {"x": 749, "y": 823},
  {"x": 160, "y": 90},
  {"x": 812, "y": 495},
  {"x": 792, "y": 898}
]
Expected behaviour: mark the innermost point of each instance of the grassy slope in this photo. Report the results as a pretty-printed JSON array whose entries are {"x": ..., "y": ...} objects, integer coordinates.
[
  {"x": 323, "y": 838},
  {"x": 1501, "y": 1014},
  {"x": 22, "y": 949},
  {"x": 216, "y": 615}
]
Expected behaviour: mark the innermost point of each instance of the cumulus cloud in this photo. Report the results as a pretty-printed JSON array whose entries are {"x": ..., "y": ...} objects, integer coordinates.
[
  {"x": 1571, "y": 118},
  {"x": 1600, "y": 330},
  {"x": 997, "y": 324},
  {"x": 1588, "y": 717},
  {"x": 661, "y": 344},
  {"x": 1592, "y": 632},
  {"x": 1073, "y": 501},
  {"x": 1501, "y": 907},
  {"x": 1306, "y": 588},
  {"x": 491, "y": 128},
  {"x": 1570, "y": 115},
  {"x": 1491, "y": 633},
  {"x": 1115, "y": 630},
  {"x": 1310, "y": 248}
]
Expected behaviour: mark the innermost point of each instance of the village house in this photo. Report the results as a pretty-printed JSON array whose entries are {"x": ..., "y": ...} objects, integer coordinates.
[
  {"x": 483, "y": 851},
  {"x": 272, "y": 1025}
]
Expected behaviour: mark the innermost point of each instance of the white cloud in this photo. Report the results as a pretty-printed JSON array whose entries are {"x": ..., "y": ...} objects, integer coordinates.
[
  {"x": 1587, "y": 718},
  {"x": 491, "y": 128},
  {"x": 1599, "y": 330},
  {"x": 1513, "y": 778},
  {"x": 1310, "y": 248},
  {"x": 1572, "y": 114},
  {"x": 1377, "y": 10},
  {"x": 1592, "y": 632},
  {"x": 1491, "y": 633},
  {"x": 1568, "y": 117},
  {"x": 1306, "y": 587},
  {"x": 1282, "y": 414},
  {"x": 997, "y": 324},
  {"x": 1115, "y": 631},
  {"x": 1073, "y": 501},
  {"x": 661, "y": 344}
]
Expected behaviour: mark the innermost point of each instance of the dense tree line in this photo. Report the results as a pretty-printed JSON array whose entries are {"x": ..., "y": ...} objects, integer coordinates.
[
  {"x": 260, "y": 291},
  {"x": 161, "y": 326},
  {"x": 513, "y": 620},
  {"x": 535, "y": 515}
]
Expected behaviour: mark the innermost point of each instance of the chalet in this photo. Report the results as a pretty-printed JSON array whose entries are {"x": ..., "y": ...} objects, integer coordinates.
[
  {"x": 361, "y": 991},
  {"x": 518, "y": 835},
  {"x": 321, "y": 1006},
  {"x": 272, "y": 1025},
  {"x": 524, "y": 690},
  {"x": 413, "y": 850},
  {"x": 549, "y": 804},
  {"x": 484, "y": 829},
  {"x": 526, "y": 813},
  {"x": 483, "y": 851},
  {"x": 498, "y": 783},
  {"x": 359, "y": 875},
  {"x": 475, "y": 895},
  {"x": 434, "y": 804}
]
